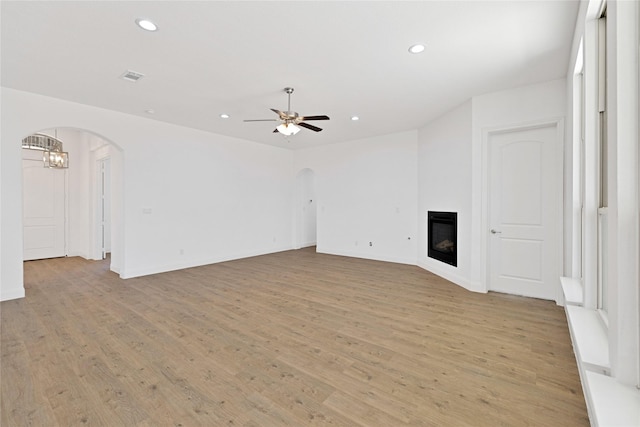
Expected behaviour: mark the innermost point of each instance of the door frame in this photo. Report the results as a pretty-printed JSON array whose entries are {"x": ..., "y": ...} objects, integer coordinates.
[
  {"x": 104, "y": 215},
  {"x": 558, "y": 171},
  {"x": 300, "y": 202},
  {"x": 97, "y": 159}
]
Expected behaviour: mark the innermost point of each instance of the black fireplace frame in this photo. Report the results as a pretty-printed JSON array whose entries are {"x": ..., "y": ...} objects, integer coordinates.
[{"x": 449, "y": 218}]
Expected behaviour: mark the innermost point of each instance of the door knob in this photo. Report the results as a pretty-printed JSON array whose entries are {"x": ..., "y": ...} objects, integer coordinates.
[{"x": 495, "y": 231}]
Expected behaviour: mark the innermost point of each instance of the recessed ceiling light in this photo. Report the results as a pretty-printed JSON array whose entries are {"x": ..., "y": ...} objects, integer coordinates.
[
  {"x": 150, "y": 111},
  {"x": 224, "y": 116},
  {"x": 416, "y": 48},
  {"x": 145, "y": 24},
  {"x": 355, "y": 118}
]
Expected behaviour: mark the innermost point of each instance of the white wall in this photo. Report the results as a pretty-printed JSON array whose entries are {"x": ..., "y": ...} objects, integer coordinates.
[
  {"x": 444, "y": 184},
  {"x": 192, "y": 198},
  {"x": 211, "y": 198},
  {"x": 514, "y": 107},
  {"x": 11, "y": 285},
  {"x": 451, "y": 170},
  {"x": 79, "y": 185},
  {"x": 366, "y": 192}
]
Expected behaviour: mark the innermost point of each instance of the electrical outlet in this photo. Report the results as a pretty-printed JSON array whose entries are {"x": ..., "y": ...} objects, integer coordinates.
[{"x": 370, "y": 243}]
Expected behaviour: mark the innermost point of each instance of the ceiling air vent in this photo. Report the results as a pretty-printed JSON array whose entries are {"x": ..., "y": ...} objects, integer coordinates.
[{"x": 131, "y": 76}]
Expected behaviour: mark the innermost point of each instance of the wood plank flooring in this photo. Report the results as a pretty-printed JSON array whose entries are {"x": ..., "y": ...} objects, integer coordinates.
[{"x": 288, "y": 339}]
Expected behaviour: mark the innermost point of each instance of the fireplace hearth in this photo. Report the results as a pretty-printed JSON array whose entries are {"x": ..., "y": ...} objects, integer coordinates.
[{"x": 443, "y": 237}]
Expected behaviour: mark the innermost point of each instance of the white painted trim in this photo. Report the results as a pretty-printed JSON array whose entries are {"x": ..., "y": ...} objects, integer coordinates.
[
  {"x": 573, "y": 290},
  {"x": 609, "y": 402},
  {"x": 612, "y": 403},
  {"x": 79, "y": 254},
  {"x": 298, "y": 216},
  {"x": 589, "y": 337},
  {"x": 624, "y": 219},
  {"x": 12, "y": 294},
  {"x": 638, "y": 198},
  {"x": 559, "y": 171},
  {"x": 397, "y": 260},
  {"x": 96, "y": 157},
  {"x": 591, "y": 170},
  {"x": 163, "y": 268},
  {"x": 446, "y": 273},
  {"x": 67, "y": 227},
  {"x": 487, "y": 132}
]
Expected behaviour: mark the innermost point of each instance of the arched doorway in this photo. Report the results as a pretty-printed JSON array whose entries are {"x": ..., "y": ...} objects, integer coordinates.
[
  {"x": 91, "y": 190},
  {"x": 306, "y": 209}
]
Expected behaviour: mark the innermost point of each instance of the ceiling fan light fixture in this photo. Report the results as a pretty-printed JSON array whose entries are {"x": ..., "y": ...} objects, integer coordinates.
[
  {"x": 146, "y": 24},
  {"x": 288, "y": 129},
  {"x": 416, "y": 48}
]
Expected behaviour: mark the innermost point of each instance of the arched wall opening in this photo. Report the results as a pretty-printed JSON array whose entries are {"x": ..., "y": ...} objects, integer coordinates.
[
  {"x": 306, "y": 209},
  {"x": 93, "y": 184}
]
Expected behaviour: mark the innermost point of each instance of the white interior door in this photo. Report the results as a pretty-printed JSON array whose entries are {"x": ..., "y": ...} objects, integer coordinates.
[
  {"x": 307, "y": 212},
  {"x": 43, "y": 209},
  {"x": 524, "y": 206}
]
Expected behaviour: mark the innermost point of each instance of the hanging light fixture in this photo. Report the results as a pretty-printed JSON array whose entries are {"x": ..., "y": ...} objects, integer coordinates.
[
  {"x": 288, "y": 129},
  {"x": 56, "y": 159},
  {"x": 53, "y": 156}
]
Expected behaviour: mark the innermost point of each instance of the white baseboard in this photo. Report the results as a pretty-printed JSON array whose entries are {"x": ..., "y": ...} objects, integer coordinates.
[
  {"x": 397, "y": 260},
  {"x": 129, "y": 273},
  {"x": 445, "y": 272},
  {"x": 12, "y": 294},
  {"x": 115, "y": 269},
  {"x": 81, "y": 255}
]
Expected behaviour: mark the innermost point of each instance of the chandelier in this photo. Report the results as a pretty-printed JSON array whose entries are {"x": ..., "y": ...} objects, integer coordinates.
[{"x": 53, "y": 155}]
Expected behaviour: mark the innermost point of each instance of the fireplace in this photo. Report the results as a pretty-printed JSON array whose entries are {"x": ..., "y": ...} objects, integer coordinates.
[{"x": 443, "y": 237}]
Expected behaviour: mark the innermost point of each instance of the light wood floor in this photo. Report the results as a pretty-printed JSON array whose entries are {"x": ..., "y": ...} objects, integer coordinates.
[{"x": 288, "y": 339}]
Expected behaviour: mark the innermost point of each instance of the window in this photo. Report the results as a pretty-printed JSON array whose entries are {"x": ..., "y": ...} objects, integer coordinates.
[
  {"x": 603, "y": 170},
  {"x": 578, "y": 179}
]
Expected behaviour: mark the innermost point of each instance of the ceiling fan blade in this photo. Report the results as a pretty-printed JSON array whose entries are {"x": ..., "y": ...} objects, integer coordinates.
[
  {"x": 308, "y": 126},
  {"x": 279, "y": 113},
  {"x": 261, "y": 120},
  {"x": 307, "y": 118}
]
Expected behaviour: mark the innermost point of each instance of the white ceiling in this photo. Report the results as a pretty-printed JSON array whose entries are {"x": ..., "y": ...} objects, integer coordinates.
[{"x": 343, "y": 58}]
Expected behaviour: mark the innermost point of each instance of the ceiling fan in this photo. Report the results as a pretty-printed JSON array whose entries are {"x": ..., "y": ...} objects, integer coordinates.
[{"x": 290, "y": 121}]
